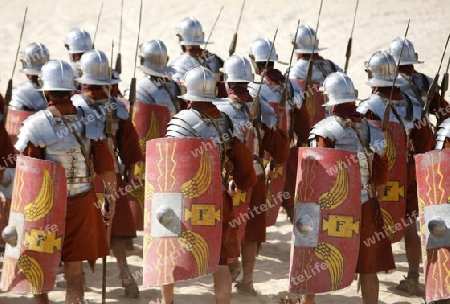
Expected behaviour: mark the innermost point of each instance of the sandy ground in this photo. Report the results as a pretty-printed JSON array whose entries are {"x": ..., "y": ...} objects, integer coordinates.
[
  {"x": 378, "y": 22},
  {"x": 271, "y": 279}
]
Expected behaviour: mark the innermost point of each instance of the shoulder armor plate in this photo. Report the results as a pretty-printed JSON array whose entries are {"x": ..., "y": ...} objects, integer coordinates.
[{"x": 26, "y": 96}]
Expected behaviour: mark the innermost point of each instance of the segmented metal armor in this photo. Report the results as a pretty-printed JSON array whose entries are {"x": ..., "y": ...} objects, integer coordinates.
[
  {"x": 274, "y": 92},
  {"x": 409, "y": 109},
  {"x": 155, "y": 91},
  {"x": 49, "y": 132},
  {"x": 190, "y": 123},
  {"x": 442, "y": 134},
  {"x": 346, "y": 138}
]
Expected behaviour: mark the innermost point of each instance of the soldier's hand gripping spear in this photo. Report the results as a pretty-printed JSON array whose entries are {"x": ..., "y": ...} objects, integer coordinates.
[
  {"x": 348, "y": 53},
  {"x": 233, "y": 44},
  {"x": 444, "y": 82},
  {"x": 432, "y": 90},
  {"x": 8, "y": 94}
]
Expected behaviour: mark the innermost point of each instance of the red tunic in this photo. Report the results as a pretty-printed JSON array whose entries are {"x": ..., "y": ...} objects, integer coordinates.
[
  {"x": 244, "y": 177},
  {"x": 7, "y": 150},
  {"x": 130, "y": 152},
  {"x": 301, "y": 128},
  {"x": 277, "y": 144},
  {"x": 85, "y": 234}
]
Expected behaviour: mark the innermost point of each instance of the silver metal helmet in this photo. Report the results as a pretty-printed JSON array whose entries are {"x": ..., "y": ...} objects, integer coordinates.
[
  {"x": 200, "y": 84},
  {"x": 260, "y": 50},
  {"x": 57, "y": 75},
  {"x": 305, "y": 40},
  {"x": 33, "y": 57},
  {"x": 154, "y": 59},
  {"x": 381, "y": 69},
  {"x": 190, "y": 32},
  {"x": 95, "y": 68},
  {"x": 338, "y": 88},
  {"x": 237, "y": 69},
  {"x": 78, "y": 41},
  {"x": 408, "y": 56}
]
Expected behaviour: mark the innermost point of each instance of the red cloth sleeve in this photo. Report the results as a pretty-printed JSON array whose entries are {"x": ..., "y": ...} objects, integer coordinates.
[
  {"x": 422, "y": 139},
  {"x": 276, "y": 143},
  {"x": 128, "y": 143},
  {"x": 101, "y": 157},
  {"x": 380, "y": 169},
  {"x": 447, "y": 143},
  {"x": 302, "y": 124},
  {"x": 6, "y": 149},
  {"x": 33, "y": 151},
  {"x": 324, "y": 142},
  {"x": 243, "y": 173},
  {"x": 2, "y": 104}
]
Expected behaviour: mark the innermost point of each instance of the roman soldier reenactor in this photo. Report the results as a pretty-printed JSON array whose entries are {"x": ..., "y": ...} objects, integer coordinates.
[
  {"x": 73, "y": 138},
  {"x": 77, "y": 41},
  {"x": 123, "y": 142},
  {"x": 26, "y": 99},
  {"x": 212, "y": 245},
  {"x": 192, "y": 37},
  {"x": 267, "y": 138},
  {"x": 156, "y": 87},
  {"x": 344, "y": 129},
  {"x": 417, "y": 85},
  {"x": 407, "y": 113},
  {"x": 306, "y": 46}
]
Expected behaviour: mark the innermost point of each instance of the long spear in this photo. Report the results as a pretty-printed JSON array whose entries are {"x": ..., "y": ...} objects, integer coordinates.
[
  {"x": 8, "y": 94},
  {"x": 348, "y": 54},
  {"x": 433, "y": 86},
  {"x": 387, "y": 111},
  {"x": 98, "y": 22},
  {"x": 284, "y": 95},
  {"x": 310, "y": 62},
  {"x": 132, "y": 97},
  {"x": 444, "y": 82},
  {"x": 108, "y": 131},
  {"x": 118, "y": 66},
  {"x": 233, "y": 44},
  {"x": 212, "y": 30}
]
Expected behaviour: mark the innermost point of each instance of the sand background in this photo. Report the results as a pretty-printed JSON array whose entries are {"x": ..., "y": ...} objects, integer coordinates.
[{"x": 377, "y": 23}]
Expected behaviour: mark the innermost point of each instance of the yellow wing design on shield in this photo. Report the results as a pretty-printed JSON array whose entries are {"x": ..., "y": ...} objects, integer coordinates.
[
  {"x": 43, "y": 203},
  {"x": 201, "y": 180},
  {"x": 197, "y": 245},
  {"x": 338, "y": 193},
  {"x": 334, "y": 260}
]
